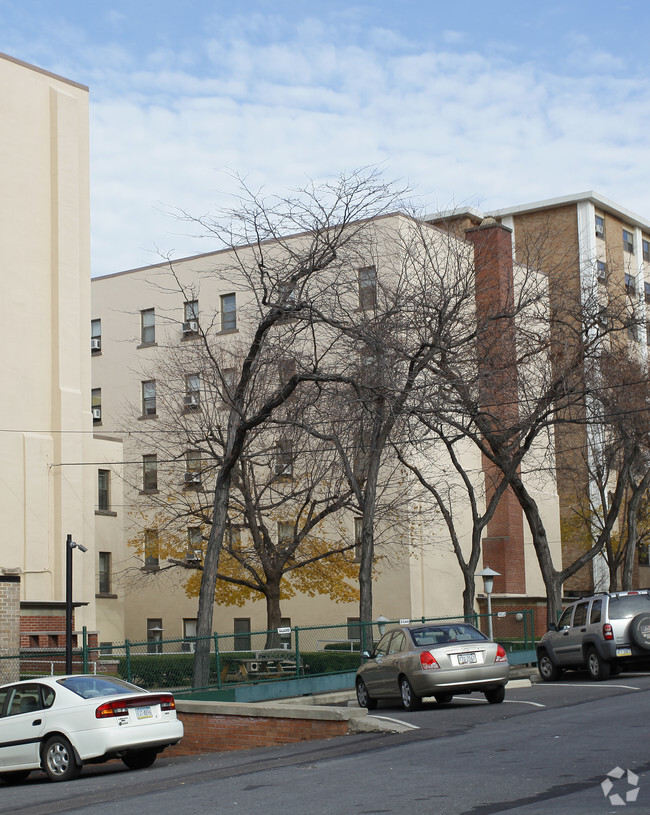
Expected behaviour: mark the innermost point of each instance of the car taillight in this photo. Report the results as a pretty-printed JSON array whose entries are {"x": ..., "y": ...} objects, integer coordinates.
[
  {"x": 501, "y": 654},
  {"x": 111, "y": 709},
  {"x": 167, "y": 703},
  {"x": 428, "y": 661},
  {"x": 608, "y": 634}
]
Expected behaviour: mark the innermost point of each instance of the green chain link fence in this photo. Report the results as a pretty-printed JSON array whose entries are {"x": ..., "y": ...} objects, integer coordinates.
[{"x": 246, "y": 658}]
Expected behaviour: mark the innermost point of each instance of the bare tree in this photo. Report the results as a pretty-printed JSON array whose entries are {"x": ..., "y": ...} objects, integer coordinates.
[{"x": 280, "y": 280}]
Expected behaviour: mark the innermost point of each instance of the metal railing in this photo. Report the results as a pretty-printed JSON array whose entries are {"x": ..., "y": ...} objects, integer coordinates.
[{"x": 247, "y": 658}]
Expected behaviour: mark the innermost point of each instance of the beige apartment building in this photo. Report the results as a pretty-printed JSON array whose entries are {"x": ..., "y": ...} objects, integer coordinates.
[
  {"x": 49, "y": 454},
  {"x": 592, "y": 250},
  {"x": 143, "y": 322}
]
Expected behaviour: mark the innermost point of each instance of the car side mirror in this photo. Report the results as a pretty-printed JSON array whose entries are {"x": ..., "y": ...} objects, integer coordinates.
[
  {"x": 552, "y": 627},
  {"x": 367, "y": 655}
]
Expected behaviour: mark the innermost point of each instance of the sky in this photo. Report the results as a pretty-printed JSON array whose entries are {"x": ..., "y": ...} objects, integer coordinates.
[{"x": 482, "y": 104}]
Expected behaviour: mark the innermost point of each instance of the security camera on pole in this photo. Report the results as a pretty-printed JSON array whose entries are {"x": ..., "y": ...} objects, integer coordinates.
[{"x": 69, "y": 546}]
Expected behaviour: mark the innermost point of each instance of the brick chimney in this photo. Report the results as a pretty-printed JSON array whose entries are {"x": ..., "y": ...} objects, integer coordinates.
[{"x": 503, "y": 543}]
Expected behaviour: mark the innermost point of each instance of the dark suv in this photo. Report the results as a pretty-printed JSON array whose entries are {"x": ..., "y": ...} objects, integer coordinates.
[{"x": 603, "y": 633}]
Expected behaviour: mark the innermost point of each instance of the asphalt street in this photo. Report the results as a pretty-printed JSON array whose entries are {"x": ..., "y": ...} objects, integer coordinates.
[{"x": 547, "y": 749}]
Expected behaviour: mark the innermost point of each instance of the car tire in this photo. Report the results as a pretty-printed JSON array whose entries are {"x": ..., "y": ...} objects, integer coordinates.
[
  {"x": 599, "y": 669},
  {"x": 59, "y": 762},
  {"x": 496, "y": 695},
  {"x": 140, "y": 759},
  {"x": 363, "y": 697},
  {"x": 443, "y": 698},
  {"x": 640, "y": 630},
  {"x": 410, "y": 699},
  {"x": 16, "y": 777},
  {"x": 548, "y": 670}
]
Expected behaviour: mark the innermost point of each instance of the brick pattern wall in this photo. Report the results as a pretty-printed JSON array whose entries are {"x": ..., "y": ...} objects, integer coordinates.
[
  {"x": 9, "y": 627},
  {"x": 503, "y": 545},
  {"x": 206, "y": 733}
]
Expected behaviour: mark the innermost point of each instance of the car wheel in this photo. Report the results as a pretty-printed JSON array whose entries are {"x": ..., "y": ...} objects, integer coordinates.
[
  {"x": 17, "y": 777},
  {"x": 139, "y": 759},
  {"x": 496, "y": 695},
  {"x": 363, "y": 697},
  {"x": 598, "y": 668},
  {"x": 548, "y": 670},
  {"x": 59, "y": 762},
  {"x": 410, "y": 699},
  {"x": 443, "y": 698},
  {"x": 640, "y": 630}
]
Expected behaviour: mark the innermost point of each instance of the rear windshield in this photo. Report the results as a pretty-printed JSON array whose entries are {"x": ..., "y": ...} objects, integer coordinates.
[
  {"x": 89, "y": 687},
  {"x": 622, "y": 607},
  {"x": 438, "y": 634}
]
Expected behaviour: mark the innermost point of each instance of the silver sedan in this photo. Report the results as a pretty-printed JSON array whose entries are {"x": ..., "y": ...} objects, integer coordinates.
[{"x": 439, "y": 660}]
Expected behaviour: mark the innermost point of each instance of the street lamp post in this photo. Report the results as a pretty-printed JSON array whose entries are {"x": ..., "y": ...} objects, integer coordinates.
[
  {"x": 69, "y": 546},
  {"x": 488, "y": 576}
]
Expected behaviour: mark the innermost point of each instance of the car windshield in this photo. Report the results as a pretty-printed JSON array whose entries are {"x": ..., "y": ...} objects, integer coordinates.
[
  {"x": 440, "y": 634},
  {"x": 628, "y": 606},
  {"x": 89, "y": 687}
]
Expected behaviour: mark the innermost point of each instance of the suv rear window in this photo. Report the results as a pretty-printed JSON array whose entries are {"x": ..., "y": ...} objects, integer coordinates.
[{"x": 622, "y": 607}]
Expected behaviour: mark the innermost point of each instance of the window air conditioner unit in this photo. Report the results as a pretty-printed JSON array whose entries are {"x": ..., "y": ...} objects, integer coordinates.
[
  {"x": 192, "y": 478},
  {"x": 190, "y": 327},
  {"x": 600, "y": 231},
  {"x": 95, "y": 344},
  {"x": 188, "y": 647},
  {"x": 191, "y": 400},
  {"x": 97, "y": 414}
]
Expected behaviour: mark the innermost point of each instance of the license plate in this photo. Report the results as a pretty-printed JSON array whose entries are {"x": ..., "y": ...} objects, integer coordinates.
[
  {"x": 466, "y": 659},
  {"x": 143, "y": 713},
  {"x": 623, "y": 652}
]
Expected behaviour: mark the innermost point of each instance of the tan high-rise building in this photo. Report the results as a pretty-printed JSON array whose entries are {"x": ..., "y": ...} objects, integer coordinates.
[{"x": 49, "y": 457}]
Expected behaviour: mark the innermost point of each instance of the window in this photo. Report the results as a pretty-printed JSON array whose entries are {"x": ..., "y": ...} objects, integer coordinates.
[
  {"x": 646, "y": 250},
  {"x": 192, "y": 468},
  {"x": 358, "y": 528},
  {"x": 151, "y": 549},
  {"x": 242, "y": 634},
  {"x": 565, "y": 619},
  {"x": 286, "y": 369},
  {"x": 149, "y": 398},
  {"x": 646, "y": 290},
  {"x": 154, "y": 635},
  {"x": 150, "y": 472},
  {"x": 601, "y": 270},
  {"x": 148, "y": 326},
  {"x": 191, "y": 400},
  {"x": 580, "y": 614},
  {"x": 96, "y": 405},
  {"x": 191, "y": 317},
  {"x": 630, "y": 284},
  {"x": 103, "y": 486},
  {"x": 285, "y": 532},
  {"x": 354, "y": 629},
  {"x": 189, "y": 634},
  {"x": 628, "y": 241},
  {"x": 95, "y": 336},
  {"x": 647, "y": 333},
  {"x": 600, "y": 226},
  {"x": 596, "y": 611},
  {"x": 233, "y": 537},
  {"x": 228, "y": 312},
  {"x": 229, "y": 376},
  {"x": 104, "y": 572},
  {"x": 644, "y": 554},
  {"x": 194, "y": 543},
  {"x": 367, "y": 288},
  {"x": 284, "y": 458}
]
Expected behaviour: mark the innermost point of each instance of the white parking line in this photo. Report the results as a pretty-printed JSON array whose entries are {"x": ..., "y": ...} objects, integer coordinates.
[
  {"x": 519, "y": 702},
  {"x": 594, "y": 685},
  {"x": 397, "y": 721}
]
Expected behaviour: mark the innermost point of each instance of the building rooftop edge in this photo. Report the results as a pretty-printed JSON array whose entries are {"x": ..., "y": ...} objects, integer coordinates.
[{"x": 43, "y": 71}]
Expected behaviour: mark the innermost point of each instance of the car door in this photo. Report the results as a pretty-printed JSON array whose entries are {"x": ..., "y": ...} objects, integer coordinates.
[
  {"x": 570, "y": 642},
  {"x": 375, "y": 673},
  {"x": 392, "y": 664},
  {"x": 560, "y": 637},
  {"x": 21, "y": 725}
]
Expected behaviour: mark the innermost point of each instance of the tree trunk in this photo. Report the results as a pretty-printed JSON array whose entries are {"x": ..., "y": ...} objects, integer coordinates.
[
  {"x": 638, "y": 491},
  {"x": 273, "y": 612},
  {"x": 201, "y": 675}
]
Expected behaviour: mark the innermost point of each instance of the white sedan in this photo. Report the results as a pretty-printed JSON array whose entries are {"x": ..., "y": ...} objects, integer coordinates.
[{"x": 58, "y": 724}]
